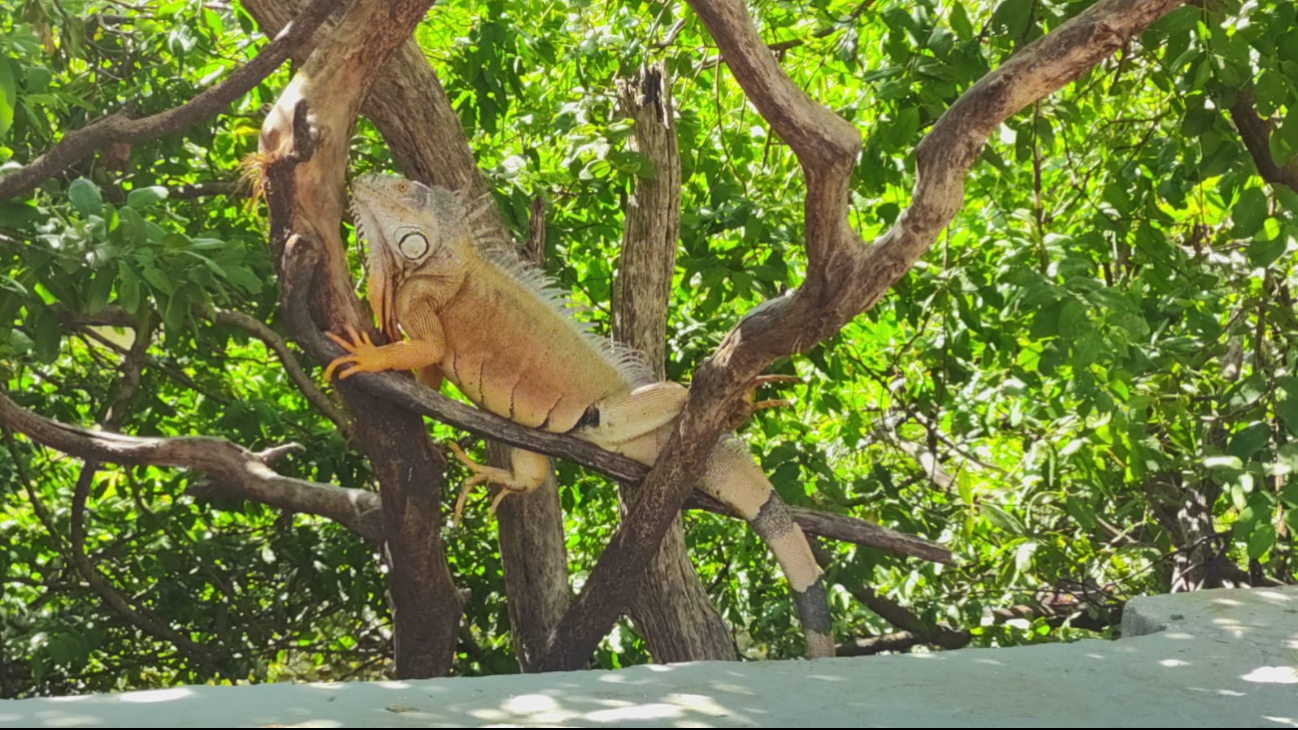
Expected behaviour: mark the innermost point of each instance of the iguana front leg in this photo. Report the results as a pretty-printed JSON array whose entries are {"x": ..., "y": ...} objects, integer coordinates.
[{"x": 366, "y": 357}]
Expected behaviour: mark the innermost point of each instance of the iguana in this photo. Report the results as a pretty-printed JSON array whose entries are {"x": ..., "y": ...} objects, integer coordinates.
[{"x": 477, "y": 315}]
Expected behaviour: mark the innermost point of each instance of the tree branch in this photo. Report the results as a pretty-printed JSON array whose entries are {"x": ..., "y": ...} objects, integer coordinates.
[
  {"x": 404, "y": 392},
  {"x": 119, "y": 127},
  {"x": 303, "y": 148},
  {"x": 1255, "y": 133},
  {"x": 236, "y": 469},
  {"x": 115, "y": 316}
]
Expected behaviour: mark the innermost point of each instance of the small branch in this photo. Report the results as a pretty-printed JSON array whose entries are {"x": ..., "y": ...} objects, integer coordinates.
[
  {"x": 670, "y": 36},
  {"x": 114, "y": 316},
  {"x": 207, "y": 189},
  {"x": 119, "y": 127},
  {"x": 781, "y": 46}
]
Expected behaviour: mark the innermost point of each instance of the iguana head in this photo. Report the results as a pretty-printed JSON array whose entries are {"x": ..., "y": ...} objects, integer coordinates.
[{"x": 413, "y": 231}]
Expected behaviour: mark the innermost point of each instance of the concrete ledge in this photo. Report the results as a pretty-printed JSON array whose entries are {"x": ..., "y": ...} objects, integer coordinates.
[{"x": 1208, "y": 659}]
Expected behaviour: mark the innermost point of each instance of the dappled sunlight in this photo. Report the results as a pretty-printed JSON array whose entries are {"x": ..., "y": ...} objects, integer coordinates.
[
  {"x": 1273, "y": 675},
  {"x": 158, "y": 695},
  {"x": 1169, "y": 663},
  {"x": 1221, "y": 692},
  {"x": 1282, "y": 721}
]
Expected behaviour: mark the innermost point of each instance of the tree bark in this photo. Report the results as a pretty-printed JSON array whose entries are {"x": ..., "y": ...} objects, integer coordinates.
[{"x": 671, "y": 608}]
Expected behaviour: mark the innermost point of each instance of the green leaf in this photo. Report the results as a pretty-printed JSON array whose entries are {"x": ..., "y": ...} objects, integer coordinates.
[
  {"x": 128, "y": 288},
  {"x": 1073, "y": 320},
  {"x": 144, "y": 197},
  {"x": 1012, "y": 17},
  {"x": 1265, "y": 253},
  {"x": 159, "y": 280},
  {"x": 1249, "y": 213},
  {"x": 1287, "y": 409},
  {"x": 48, "y": 335},
  {"x": 101, "y": 286},
  {"x": 1260, "y": 541},
  {"x": 8, "y": 96},
  {"x": 85, "y": 196},
  {"x": 243, "y": 278},
  {"x": 960, "y": 22},
  {"x": 1250, "y": 440},
  {"x": 1270, "y": 92},
  {"x": 18, "y": 214},
  {"x": 1001, "y": 519}
]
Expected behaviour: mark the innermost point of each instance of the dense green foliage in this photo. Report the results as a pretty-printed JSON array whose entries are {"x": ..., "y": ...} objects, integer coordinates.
[{"x": 1103, "y": 335}]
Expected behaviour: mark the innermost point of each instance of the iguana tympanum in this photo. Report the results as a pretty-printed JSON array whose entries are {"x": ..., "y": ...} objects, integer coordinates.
[{"x": 476, "y": 314}]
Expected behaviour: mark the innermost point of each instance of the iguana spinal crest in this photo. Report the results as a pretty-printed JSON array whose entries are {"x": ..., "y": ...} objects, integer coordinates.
[{"x": 474, "y": 313}]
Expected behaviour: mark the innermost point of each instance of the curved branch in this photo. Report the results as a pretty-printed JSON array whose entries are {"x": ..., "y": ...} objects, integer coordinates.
[
  {"x": 1255, "y": 133},
  {"x": 119, "y": 127}
]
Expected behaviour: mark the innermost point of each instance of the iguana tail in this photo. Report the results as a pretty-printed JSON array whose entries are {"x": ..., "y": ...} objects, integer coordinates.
[{"x": 735, "y": 479}]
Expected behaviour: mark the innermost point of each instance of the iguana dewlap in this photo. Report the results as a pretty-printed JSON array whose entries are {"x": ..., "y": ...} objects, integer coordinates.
[{"x": 479, "y": 316}]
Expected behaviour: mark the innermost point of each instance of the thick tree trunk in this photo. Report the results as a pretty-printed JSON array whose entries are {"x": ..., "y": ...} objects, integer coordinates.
[
  {"x": 414, "y": 115},
  {"x": 671, "y": 609}
]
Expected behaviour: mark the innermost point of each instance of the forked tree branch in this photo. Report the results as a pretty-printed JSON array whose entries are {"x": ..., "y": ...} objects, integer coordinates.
[
  {"x": 120, "y": 127},
  {"x": 303, "y": 147},
  {"x": 844, "y": 276}
]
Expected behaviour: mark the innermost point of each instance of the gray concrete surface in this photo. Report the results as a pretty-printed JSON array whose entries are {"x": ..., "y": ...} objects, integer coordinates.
[{"x": 1210, "y": 659}]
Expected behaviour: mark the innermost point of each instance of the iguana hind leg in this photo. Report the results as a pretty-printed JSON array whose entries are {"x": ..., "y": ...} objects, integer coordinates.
[
  {"x": 751, "y": 405},
  {"x": 527, "y": 472}
]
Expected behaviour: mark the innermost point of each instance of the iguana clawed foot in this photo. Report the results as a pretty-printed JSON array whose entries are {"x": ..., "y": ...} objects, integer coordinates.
[
  {"x": 366, "y": 357},
  {"x": 482, "y": 473},
  {"x": 750, "y": 403}
]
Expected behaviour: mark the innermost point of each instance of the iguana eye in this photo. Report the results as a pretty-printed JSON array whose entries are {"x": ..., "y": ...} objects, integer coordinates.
[{"x": 413, "y": 245}]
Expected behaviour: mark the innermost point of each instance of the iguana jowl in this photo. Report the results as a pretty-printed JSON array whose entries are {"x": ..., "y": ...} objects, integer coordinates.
[{"x": 479, "y": 316}]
